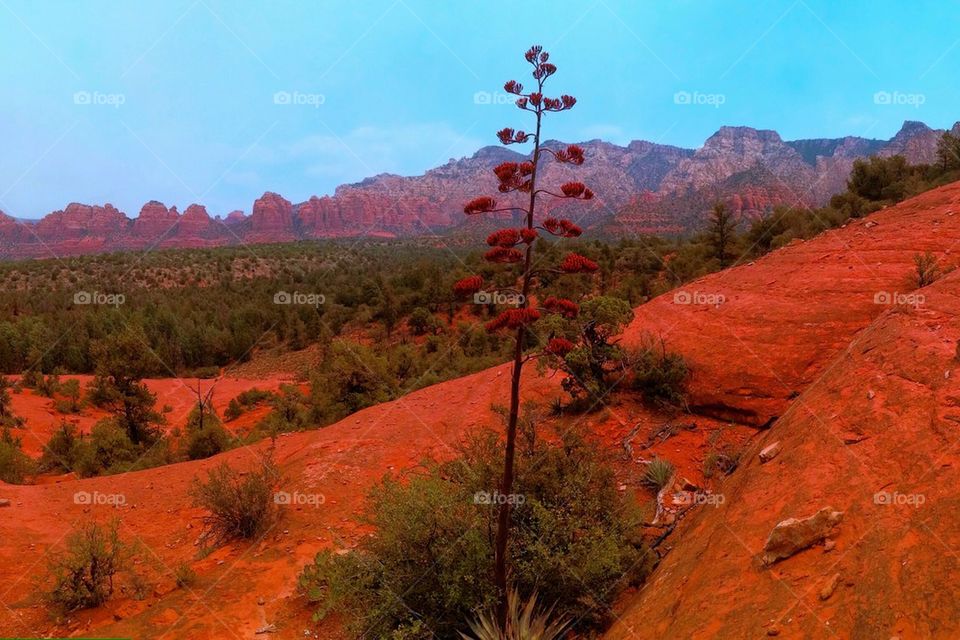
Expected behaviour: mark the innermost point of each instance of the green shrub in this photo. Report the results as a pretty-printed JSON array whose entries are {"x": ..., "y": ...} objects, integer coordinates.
[
  {"x": 524, "y": 622},
  {"x": 241, "y": 505},
  {"x": 62, "y": 450},
  {"x": 658, "y": 473},
  {"x": 927, "y": 269},
  {"x": 207, "y": 438},
  {"x": 15, "y": 465},
  {"x": 184, "y": 575},
  {"x": 660, "y": 376},
  {"x": 82, "y": 576},
  {"x": 575, "y": 541}
]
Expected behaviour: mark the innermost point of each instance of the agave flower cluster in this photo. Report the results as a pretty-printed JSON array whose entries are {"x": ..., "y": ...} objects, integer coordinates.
[{"x": 514, "y": 245}]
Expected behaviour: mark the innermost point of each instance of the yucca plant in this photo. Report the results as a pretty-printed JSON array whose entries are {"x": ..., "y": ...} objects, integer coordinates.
[
  {"x": 658, "y": 474},
  {"x": 524, "y": 622}
]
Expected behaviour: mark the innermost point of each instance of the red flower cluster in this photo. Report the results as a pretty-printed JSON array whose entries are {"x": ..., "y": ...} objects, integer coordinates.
[
  {"x": 536, "y": 54},
  {"x": 573, "y": 154},
  {"x": 528, "y": 235},
  {"x": 503, "y": 255},
  {"x": 559, "y": 347},
  {"x": 483, "y": 204},
  {"x": 562, "y": 103},
  {"x": 509, "y": 136},
  {"x": 576, "y": 190},
  {"x": 563, "y": 228},
  {"x": 562, "y": 306},
  {"x": 513, "y": 319},
  {"x": 575, "y": 263},
  {"x": 514, "y": 87},
  {"x": 504, "y": 238},
  {"x": 468, "y": 286},
  {"x": 513, "y": 176}
]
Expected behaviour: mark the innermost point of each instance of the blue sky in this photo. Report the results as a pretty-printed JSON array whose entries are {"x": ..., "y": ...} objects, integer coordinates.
[{"x": 178, "y": 101}]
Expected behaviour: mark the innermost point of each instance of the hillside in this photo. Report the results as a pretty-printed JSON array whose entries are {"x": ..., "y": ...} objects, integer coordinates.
[
  {"x": 777, "y": 344},
  {"x": 872, "y": 437},
  {"x": 643, "y": 187}
]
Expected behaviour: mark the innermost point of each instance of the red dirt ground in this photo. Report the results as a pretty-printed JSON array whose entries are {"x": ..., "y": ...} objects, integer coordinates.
[
  {"x": 179, "y": 394},
  {"x": 790, "y": 339}
]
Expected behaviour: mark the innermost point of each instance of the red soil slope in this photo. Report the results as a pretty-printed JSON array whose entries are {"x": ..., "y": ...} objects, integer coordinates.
[
  {"x": 176, "y": 394},
  {"x": 783, "y": 318},
  {"x": 783, "y": 321},
  {"x": 874, "y": 437}
]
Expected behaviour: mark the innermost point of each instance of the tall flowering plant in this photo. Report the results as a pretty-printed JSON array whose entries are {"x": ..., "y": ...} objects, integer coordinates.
[{"x": 514, "y": 246}]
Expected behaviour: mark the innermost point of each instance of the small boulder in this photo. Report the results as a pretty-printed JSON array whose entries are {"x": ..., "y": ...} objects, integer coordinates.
[
  {"x": 796, "y": 534},
  {"x": 830, "y": 587},
  {"x": 770, "y": 452},
  {"x": 4, "y": 502}
]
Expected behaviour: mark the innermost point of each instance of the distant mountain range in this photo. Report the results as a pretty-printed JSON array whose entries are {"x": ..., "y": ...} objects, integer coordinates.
[{"x": 643, "y": 187}]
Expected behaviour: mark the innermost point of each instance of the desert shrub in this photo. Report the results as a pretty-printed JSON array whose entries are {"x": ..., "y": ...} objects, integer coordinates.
[
  {"x": 8, "y": 418},
  {"x": 15, "y": 465},
  {"x": 206, "y": 438},
  {"x": 241, "y": 505},
  {"x": 70, "y": 402},
  {"x": 524, "y": 622},
  {"x": 82, "y": 575},
  {"x": 577, "y": 542},
  {"x": 659, "y": 375},
  {"x": 111, "y": 448},
  {"x": 233, "y": 411},
  {"x": 927, "y": 269},
  {"x": 723, "y": 461},
  {"x": 184, "y": 575},
  {"x": 61, "y": 451},
  {"x": 47, "y": 386},
  {"x": 658, "y": 473},
  {"x": 246, "y": 400},
  {"x": 596, "y": 365}
]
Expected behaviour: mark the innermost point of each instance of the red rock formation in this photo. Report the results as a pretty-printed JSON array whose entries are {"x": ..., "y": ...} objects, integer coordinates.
[
  {"x": 271, "y": 219},
  {"x": 750, "y": 169}
]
